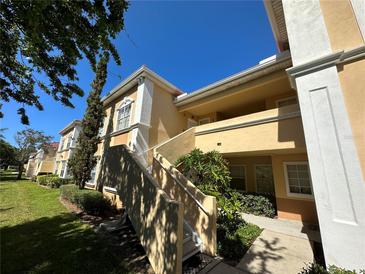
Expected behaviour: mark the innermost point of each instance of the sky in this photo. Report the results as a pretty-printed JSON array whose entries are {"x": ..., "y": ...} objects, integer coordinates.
[{"x": 189, "y": 43}]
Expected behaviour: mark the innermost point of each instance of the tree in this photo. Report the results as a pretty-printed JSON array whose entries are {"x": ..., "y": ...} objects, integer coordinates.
[
  {"x": 28, "y": 142},
  {"x": 83, "y": 160},
  {"x": 7, "y": 154},
  {"x": 46, "y": 39}
]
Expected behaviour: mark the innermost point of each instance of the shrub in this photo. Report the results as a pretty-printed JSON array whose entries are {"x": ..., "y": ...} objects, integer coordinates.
[
  {"x": 52, "y": 181},
  {"x": 209, "y": 169},
  {"x": 257, "y": 205},
  {"x": 318, "y": 269},
  {"x": 90, "y": 201}
]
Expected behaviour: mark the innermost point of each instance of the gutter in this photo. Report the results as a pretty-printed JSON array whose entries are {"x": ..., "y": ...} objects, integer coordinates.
[{"x": 282, "y": 61}]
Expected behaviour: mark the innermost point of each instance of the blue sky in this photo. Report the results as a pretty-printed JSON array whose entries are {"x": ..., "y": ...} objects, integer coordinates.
[{"x": 191, "y": 44}]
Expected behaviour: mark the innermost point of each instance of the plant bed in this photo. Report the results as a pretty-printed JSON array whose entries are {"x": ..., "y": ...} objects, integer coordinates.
[{"x": 52, "y": 181}]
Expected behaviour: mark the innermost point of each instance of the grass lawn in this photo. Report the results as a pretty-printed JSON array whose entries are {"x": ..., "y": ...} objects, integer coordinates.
[{"x": 38, "y": 235}]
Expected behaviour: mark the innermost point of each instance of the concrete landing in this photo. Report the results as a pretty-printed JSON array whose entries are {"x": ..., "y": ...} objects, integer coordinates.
[{"x": 276, "y": 253}]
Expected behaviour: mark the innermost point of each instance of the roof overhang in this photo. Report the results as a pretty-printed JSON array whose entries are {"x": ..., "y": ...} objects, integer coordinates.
[
  {"x": 70, "y": 126},
  {"x": 132, "y": 80},
  {"x": 280, "y": 62},
  {"x": 275, "y": 12}
]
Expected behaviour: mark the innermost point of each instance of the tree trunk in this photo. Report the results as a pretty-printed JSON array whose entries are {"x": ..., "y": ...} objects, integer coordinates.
[{"x": 20, "y": 171}]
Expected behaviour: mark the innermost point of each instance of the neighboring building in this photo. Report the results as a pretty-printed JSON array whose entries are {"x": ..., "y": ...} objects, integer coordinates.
[
  {"x": 292, "y": 126},
  {"x": 43, "y": 161},
  {"x": 66, "y": 147}
]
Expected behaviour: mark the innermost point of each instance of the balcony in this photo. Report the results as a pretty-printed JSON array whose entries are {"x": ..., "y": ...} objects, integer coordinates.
[{"x": 275, "y": 130}]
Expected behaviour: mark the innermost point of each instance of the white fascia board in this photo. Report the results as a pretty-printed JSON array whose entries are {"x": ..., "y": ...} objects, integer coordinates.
[
  {"x": 131, "y": 81},
  {"x": 211, "y": 89},
  {"x": 74, "y": 123}
]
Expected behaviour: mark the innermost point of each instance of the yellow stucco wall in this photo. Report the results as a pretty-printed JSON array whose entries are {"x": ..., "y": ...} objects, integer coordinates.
[
  {"x": 295, "y": 208},
  {"x": 276, "y": 135},
  {"x": 353, "y": 87},
  {"x": 342, "y": 27},
  {"x": 166, "y": 121}
]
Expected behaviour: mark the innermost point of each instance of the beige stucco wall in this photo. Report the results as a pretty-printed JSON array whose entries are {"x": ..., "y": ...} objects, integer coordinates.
[
  {"x": 158, "y": 221},
  {"x": 270, "y": 136},
  {"x": 294, "y": 208},
  {"x": 353, "y": 87},
  {"x": 201, "y": 219},
  {"x": 166, "y": 121},
  {"x": 270, "y": 102},
  {"x": 249, "y": 163},
  {"x": 47, "y": 166},
  {"x": 342, "y": 27},
  {"x": 179, "y": 145}
]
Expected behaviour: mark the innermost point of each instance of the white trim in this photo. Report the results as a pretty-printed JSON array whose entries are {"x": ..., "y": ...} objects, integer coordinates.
[
  {"x": 282, "y": 61},
  {"x": 250, "y": 123},
  {"x": 110, "y": 189},
  {"x": 245, "y": 170},
  {"x": 293, "y": 194},
  {"x": 285, "y": 99},
  {"x": 255, "y": 178},
  {"x": 358, "y": 7},
  {"x": 203, "y": 120},
  {"x": 124, "y": 103}
]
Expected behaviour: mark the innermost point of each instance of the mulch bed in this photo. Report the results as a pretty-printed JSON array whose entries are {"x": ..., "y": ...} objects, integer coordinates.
[{"x": 123, "y": 242}]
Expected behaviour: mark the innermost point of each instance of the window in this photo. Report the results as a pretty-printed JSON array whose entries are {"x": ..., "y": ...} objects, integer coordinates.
[
  {"x": 297, "y": 178},
  {"x": 69, "y": 140},
  {"x": 287, "y": 101},
  {"x": 57, "y": 166},
  {"x": 61, "y": 145},
  {"x": 191, "y": 123},
  {"x": 204, "y": 121},
  {"x": 238, "y": 174},
  {"x": 264, "y": 179},
  {"x": 63, "y": 168},
  {"x": 124, "y": 113}
]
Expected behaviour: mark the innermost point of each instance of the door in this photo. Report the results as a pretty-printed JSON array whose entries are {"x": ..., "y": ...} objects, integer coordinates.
[{"x": 264, "y": 179}]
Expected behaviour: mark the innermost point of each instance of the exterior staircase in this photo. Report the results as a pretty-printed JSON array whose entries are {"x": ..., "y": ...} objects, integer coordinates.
[{"x": 192, "y": 243}]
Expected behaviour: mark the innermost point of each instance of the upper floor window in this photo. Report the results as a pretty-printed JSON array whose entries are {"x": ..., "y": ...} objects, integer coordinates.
[
  {"x": 204, "y": 121},
  {"x": 124, "y": 113},
  {"x": 287, "y": 101},
  {"x": 69, "y": 140}
]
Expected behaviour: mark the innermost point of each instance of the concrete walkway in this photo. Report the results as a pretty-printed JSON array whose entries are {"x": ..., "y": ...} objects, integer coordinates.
[
  {"x": 283, "y": 247},
  {"x": 287, "y": 227}
]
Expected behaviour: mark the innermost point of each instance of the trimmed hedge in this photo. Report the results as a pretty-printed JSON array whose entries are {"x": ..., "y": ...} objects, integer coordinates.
[
  {"x": 90, "y": 201},
  {"x": 256, "y": 204},
  {"x": 52, "y": 181}
]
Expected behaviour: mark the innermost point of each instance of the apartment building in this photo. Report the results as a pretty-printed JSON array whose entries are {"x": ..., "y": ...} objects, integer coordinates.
[
  {"x": 292, "y": 126},
  {"x": 67, "y": 144},
  {"x": 42, "y": 162}
]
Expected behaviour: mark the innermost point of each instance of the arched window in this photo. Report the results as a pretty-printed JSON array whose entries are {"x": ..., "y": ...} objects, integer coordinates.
[{"x": 124, "y": 113}]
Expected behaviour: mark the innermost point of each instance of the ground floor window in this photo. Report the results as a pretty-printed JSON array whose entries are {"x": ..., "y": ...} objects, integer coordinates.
[
  {"x": 238, "y": 174},
  {"x": 264, "y": 179},
  {"x": 297, "y": 176},
  {"x": 57, "y": 166}
]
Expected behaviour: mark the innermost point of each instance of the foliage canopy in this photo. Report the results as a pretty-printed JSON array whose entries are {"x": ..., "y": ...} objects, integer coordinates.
[{"x": 46, "y": 39}]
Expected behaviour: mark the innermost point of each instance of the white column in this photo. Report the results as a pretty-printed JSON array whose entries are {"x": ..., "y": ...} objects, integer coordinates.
[
  {"x": 338, "y": 186},
  {"x": 142, "y": 117}
]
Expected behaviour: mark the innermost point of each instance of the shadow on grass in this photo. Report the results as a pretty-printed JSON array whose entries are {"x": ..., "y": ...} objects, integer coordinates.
[{"x": 59, "y": 244}]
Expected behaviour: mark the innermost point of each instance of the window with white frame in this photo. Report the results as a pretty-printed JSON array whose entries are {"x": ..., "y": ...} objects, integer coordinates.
[
  {"x": 124, "y": 113},
  {"x": 69, "y": 140},
  {"x": 57, "y": 166},
  {"x": 204, "y": 121},
  {"x": 298, "y": 181},
  {"x": 63, "y": 168},
  {"x": 287, "y": 101},
  {"x": 238, "y": 175}
]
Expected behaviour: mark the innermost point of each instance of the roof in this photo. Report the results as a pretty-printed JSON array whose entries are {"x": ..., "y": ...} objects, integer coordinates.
[
  {"x": 275, "y": 12},
  {"x": 131, "y": 81},
  {"x": 70, "y": 126},
  {"x": 267, "y": 66}
]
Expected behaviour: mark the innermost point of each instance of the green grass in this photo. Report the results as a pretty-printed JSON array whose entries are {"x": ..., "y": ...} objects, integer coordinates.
[{"x": 38, "y": 235}]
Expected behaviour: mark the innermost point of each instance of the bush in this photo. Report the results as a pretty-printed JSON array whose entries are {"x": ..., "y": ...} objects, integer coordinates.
[
  {"x": 318, "y": 269},
  {"x": 257, "y": 205},
  {"x": 90, "y": 201},
  {"x": 52, "y": 181}
]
